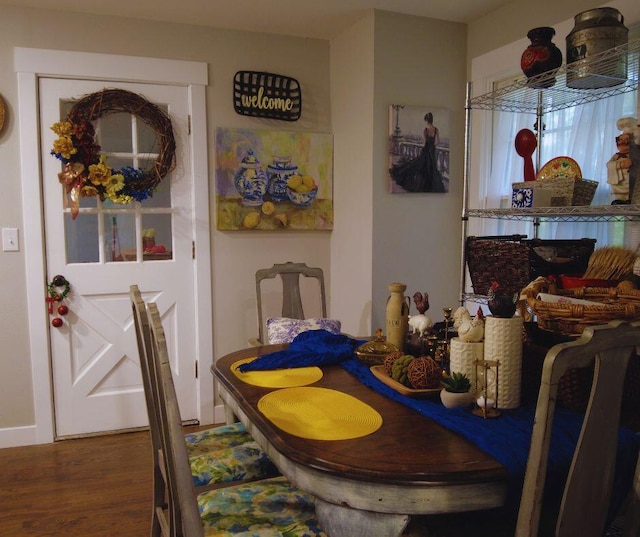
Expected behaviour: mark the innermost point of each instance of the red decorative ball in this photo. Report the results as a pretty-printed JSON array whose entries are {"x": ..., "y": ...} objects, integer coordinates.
[
  {"x": 63, "y": 310},
  {"x": 56, "y": 322}
]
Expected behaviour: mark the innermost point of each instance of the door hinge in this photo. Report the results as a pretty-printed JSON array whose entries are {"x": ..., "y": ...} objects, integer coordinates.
[
  {"x": 189, "y": 124},
  {"x": 196, "y": 364},
  {"x": 193, "y": 249}
]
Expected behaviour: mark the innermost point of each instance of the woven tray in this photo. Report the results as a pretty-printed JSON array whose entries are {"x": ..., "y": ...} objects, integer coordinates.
[{"x": 571, "y": 319}]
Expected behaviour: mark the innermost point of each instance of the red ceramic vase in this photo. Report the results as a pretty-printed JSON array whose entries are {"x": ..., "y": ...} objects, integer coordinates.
[{"x": 541, "y": 57}]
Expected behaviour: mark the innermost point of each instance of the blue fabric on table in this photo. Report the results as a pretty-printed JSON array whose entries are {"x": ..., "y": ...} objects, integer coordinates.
[
  {"x": 313, "y": 347},
  {"x": 507, "y": 439}
]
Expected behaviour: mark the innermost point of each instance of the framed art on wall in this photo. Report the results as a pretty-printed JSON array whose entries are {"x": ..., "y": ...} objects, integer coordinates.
[
  {"x": 273, "y": 180},
  {"x": 418, "y": 149}
]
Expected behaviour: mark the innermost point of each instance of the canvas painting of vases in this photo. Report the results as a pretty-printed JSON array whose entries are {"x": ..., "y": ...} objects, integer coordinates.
[{"x": 273, "y": 180}]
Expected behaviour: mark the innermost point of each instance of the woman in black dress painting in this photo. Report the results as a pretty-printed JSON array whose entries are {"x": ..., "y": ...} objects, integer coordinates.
[{"x": 421, "y": 174}]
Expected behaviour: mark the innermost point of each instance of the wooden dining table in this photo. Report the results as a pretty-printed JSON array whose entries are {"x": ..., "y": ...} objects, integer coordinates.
[{"x": 369, "y": 485}]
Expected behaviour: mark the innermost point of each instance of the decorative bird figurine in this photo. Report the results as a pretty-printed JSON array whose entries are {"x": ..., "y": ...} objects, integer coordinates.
[
  {"x": 472, "y": 329},
  {"x": 420, "y": 323},
  {"x": 460, "y": 315},
  {"x": 421, "y": 301}
]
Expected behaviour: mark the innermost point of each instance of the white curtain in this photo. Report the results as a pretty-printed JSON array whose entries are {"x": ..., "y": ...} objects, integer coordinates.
[{"x": 585, "y": 133}]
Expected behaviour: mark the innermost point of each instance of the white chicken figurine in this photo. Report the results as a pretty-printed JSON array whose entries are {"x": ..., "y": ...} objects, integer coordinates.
[
  {"x": 471, "y": 330},
  {"x": 461, "y": 314},
  {"x": 420, "y": 323}
]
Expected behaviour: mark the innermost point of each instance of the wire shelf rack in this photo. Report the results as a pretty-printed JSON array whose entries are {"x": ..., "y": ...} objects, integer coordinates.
[{"x": 525, "y": 95}]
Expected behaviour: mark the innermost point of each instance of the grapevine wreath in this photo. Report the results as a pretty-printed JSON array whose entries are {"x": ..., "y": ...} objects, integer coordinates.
[{"x": 86, "y": 170}]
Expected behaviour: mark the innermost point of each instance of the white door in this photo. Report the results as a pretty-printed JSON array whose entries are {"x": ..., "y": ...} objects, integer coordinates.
[{"x": 96, "y": 374}]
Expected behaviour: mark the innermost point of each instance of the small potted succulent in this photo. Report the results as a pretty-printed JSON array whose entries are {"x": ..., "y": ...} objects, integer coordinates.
[{"x": 456, "y": 390}]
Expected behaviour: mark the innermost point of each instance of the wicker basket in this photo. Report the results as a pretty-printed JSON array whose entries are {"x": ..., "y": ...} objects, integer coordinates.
[
  {"x": 571, "y": 319},
  {"x": 565, "y": 190},
  {"x": 513, "y": 261}
]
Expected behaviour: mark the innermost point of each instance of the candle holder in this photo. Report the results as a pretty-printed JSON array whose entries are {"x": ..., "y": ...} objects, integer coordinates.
[
  {"x": 446, "y": 350},
  {"x": 486, "y": 383}
]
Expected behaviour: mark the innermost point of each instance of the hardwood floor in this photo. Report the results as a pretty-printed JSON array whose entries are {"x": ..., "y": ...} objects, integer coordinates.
[{"x": 96, "y": 487}]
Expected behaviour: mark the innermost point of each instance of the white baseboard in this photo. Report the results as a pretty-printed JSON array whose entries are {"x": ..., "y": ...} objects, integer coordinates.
[{"x": 18, "y": 436}]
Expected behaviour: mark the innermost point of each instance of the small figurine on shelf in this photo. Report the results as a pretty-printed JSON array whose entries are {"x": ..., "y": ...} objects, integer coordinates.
[
  {"x": 501, "y": 305},
  {"x": 471, "y": 330},
  {"x": 619, "y": 164}
]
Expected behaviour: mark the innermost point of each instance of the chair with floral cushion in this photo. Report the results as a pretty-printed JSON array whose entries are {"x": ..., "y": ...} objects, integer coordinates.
[
  {"x": 268, "y": 507},
  {"x": 218, "y": 456},
  {"x": 292, "y": 298}
]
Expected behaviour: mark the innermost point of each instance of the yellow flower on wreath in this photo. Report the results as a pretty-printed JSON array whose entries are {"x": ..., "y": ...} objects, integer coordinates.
[
  {"x": 88, "y": 191},
  {"x": 63, "y": 128},
  {"x": 64, "y": 146},
  {"x": 114, "y": 184},
  {"x": 99, "y": 174}
]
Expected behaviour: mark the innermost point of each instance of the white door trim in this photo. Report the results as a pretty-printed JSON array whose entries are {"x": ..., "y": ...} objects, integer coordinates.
[{"x": 31, "y": 64}]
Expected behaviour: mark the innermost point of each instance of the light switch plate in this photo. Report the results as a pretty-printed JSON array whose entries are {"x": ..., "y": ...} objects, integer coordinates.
[{"x": 10, "y": 242}]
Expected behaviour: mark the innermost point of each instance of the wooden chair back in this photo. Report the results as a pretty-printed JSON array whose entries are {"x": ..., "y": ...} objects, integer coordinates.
[
  {"x": 589, "y": 486},
  {"x": 289, "y": 274},
  {"x": 149, "y": 383},
  {"x": 182, "y": 516}
]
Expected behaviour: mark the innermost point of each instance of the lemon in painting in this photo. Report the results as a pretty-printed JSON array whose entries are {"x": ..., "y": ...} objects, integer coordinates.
[
  {"x": 308, "y": 182},
  {"x": 294, "y": 182},
  {"x": 268, "y": 208},
  {"x": 251, "y": 220}
]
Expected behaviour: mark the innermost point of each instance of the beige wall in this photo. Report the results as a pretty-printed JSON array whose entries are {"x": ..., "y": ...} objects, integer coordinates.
[
  {"x": 417, "y": 236},
  {"x": 513, "y": 20}
]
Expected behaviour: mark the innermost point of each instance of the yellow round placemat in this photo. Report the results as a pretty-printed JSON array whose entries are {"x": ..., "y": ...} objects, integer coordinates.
[
  {"x": 319, "y": 413},
  {"x": 278, "y": 378}
]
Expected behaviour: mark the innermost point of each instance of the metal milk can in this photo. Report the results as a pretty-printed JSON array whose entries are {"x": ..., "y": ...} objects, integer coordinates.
[{"x": 596, "y": 31}]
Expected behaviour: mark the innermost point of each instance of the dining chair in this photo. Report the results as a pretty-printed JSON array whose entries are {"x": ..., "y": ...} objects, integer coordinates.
[
  {"x": 589, "y": 486},
  {"x": 588, "y": 490},
  {"x": 218, "y": 456},
  {"x": 268, "y": 507},
  {"x": 292, "y": 307}
]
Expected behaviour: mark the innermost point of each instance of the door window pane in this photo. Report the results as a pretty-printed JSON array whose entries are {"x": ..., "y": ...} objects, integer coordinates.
[
  {"x": 81, "y": 237},
  {"x": 120, "y": 237},
  {"x": 162, "y": 196},
  {"x": 115, "y": 133},
  {"x": 156, "y": 236}
]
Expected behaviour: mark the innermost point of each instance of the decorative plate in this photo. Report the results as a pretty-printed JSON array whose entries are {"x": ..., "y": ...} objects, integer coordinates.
[
  {"x": 560, "y": 167},
  {"x": 379, "y": 372}
]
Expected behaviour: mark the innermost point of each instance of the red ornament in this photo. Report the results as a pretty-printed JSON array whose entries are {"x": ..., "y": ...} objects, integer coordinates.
[
  {"x": 63, "y": 310},
  {"x": 56, "y": 322}
]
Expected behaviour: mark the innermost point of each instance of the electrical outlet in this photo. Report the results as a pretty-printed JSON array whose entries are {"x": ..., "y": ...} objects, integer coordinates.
[{"x": 10, "y": 242}]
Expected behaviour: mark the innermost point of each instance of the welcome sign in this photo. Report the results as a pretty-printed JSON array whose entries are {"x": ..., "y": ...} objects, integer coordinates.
[{"x": 267, "y": 95}]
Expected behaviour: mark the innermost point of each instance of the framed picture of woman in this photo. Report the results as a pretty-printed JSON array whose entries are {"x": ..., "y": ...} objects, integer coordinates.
[{"x": 418, "y": 149}]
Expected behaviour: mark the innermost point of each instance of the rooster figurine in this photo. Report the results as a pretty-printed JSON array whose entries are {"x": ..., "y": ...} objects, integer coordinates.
[
  {"x": 472, "y": 329},
  {"x": 461, "y": 314},
  {"x": 421, "y": 301}
]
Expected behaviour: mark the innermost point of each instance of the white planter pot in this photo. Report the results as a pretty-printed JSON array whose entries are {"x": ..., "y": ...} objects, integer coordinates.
[{"x": 453, "y": 400}]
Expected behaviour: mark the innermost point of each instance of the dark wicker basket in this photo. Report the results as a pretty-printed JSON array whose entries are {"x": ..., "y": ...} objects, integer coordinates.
[
  {"x": 514, "y": 262},
  {"x": 575, "y": 385}
]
